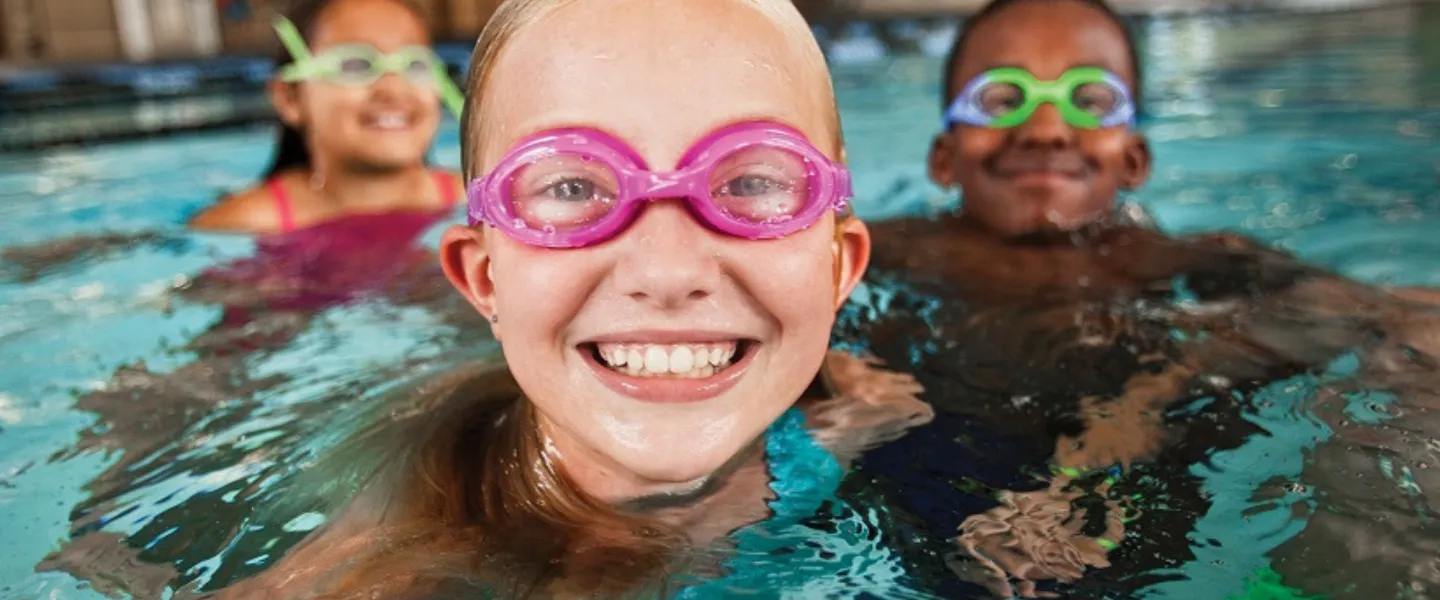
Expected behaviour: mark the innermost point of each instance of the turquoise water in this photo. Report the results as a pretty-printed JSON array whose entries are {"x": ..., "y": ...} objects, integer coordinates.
[{"x": 1317, "y": 134}]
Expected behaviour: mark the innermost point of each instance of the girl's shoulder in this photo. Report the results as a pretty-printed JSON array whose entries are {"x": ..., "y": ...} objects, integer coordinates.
[{"x": 254, "y": 210}]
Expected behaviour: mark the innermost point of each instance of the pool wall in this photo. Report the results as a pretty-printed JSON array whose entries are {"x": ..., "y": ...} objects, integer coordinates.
[{"x": 80, "y": 104}]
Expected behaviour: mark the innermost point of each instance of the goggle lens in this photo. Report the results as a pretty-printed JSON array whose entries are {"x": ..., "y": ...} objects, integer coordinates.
[
  {"x": 562, "y": 192},
  {"x": 760, "y": 185}
]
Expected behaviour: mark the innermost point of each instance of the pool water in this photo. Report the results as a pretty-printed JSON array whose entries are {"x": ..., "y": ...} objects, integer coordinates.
[{"x": 118, "y": 421}]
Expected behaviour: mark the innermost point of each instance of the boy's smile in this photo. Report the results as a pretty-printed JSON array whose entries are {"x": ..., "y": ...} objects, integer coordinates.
[{"x": 1038, "y": 169}]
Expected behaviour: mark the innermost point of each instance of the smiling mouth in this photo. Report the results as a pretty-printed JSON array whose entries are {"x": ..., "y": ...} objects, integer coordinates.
[
  {"x": 1039, "y": 165},
  {"x": 669, "y": 361},
  {"x": 1041, "y": 173},
  {"x": 389, "y": 121}
]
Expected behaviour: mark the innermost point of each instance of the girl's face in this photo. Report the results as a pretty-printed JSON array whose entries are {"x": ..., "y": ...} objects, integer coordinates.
[
  {"x": 384, "y": 126},
  {"x": 659, "y": 75}
]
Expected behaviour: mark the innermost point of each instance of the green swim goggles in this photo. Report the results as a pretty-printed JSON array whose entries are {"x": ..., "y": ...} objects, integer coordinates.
[
  {"x": 1088, "y": 98},
  {"x": 362, "y": 65}
]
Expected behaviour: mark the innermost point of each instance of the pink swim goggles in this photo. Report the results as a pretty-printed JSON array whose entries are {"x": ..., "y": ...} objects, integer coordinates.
[{"x": 574, "y": 187}]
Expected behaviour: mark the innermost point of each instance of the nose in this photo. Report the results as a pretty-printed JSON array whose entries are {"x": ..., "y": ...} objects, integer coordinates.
[
  {"x": 389, "y": 84},
  {"x": 1045, "y": 129},
  {"x": 668, "y": 260}
]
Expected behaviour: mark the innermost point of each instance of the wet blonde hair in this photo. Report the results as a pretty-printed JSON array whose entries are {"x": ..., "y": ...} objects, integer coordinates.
[
  {"x": 514, "y": 15},
  {"x": 472, "y": 503}
]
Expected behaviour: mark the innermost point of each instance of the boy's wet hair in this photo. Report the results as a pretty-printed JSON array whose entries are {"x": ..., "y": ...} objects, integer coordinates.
[{"x": 995, "y": 6}]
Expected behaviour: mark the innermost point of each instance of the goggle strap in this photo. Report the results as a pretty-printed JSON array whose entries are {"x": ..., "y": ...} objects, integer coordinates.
[
  {"x": 292, "y": 40},
  {"x": 450, "y": 94}
]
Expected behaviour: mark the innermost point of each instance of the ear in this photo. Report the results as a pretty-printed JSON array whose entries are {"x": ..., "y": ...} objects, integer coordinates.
[
  {"x": 1137, "y": 163},
  {"x": 285, "y": 98},
  {"x": 466, "y": 263},
  {"x": 942, "y": 159},
  {"x": 852, "y": 256}
]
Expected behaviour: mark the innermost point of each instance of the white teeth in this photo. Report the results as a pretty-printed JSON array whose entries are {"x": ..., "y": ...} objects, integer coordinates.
[
  {"x": 686, "y": 361},
  {"x": 391, "y": 121},
  {"x": 682, "y": 360},
  {"x": 614, "y": 356},
  {"x": 656, "y": 360}
]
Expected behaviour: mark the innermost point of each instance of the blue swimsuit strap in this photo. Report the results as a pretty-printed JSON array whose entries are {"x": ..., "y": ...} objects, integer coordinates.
[{"x": 803, "y": 476}]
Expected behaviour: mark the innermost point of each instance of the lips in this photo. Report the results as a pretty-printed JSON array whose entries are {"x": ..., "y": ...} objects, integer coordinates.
[
  {"x": 687, "y": 360},
  {"x": 389, "y": 120},
  {"x": 673, "y": 367},
  {"x": 1054, "y": 164}
]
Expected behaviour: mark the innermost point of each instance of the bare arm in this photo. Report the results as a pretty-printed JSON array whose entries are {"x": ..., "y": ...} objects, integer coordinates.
[
  {"x": 1284, "y": 313},
  {"x": 1039, "y": 535},
  {"x": 1304, "y": 327},
  {"x": 1418, "y": 294},
  {"x": 1126, "y": 429},
  {"x": 872, "y": 406}
]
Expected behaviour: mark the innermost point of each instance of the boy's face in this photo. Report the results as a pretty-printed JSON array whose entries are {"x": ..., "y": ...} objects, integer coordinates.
[{"x": 1045, "y": 174}]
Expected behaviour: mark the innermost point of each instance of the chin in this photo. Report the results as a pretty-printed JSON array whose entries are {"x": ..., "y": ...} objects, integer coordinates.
[
  {"x": 1069, "y": 219},
  {"x": 398, "y": 161},
  {"x": 679, "y": 469},
  {"x": 392, "y": 153},
  {"x": 679, "y": 477}
]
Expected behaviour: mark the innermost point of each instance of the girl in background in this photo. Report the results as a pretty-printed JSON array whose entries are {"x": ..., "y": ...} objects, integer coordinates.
[{"x": 358, "y": 116}]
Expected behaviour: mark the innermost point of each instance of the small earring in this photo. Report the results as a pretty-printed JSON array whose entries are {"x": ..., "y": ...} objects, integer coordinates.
[{"x": 495, "y": 318}]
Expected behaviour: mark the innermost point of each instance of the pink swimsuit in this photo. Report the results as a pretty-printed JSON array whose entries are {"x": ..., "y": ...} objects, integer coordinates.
[
  {"x": 334, "y": 262},
  {"x": 283, "y": 206}
]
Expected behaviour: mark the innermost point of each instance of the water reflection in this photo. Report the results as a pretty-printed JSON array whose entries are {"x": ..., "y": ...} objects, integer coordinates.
[
  {"x": 274, "y": 382},
  {"x": 1215, "y": 370}
]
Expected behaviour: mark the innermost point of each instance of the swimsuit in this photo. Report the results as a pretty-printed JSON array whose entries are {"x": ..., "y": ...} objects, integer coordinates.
[
  {"x": 815, "y": 544},
  {"x": 330, "y": 263}
]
